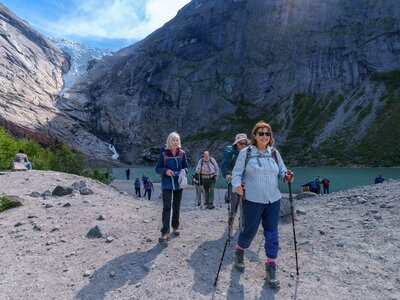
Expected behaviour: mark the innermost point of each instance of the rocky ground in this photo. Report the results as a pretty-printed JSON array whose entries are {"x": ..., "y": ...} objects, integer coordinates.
[{"x": 348, "y": 246}]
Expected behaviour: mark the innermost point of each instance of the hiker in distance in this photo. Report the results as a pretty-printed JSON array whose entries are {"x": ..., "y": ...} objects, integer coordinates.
[
  {"x": 170, "y": 164},
  {"x": 137, "y": 187},
  {"x": 127, "y": 173},
  {"x": 208, "y": 169},
  {"x": 230, "y": 155},
  {"x": 325, "y": 185},
  {"x": 255, "y": 177},
  {"x": 148, "y": 187}
]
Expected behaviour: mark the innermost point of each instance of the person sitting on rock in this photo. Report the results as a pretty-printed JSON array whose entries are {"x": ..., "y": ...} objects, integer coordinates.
[
  {"x": 311, "y": 186},
  {"x": 22, "y": 158}
]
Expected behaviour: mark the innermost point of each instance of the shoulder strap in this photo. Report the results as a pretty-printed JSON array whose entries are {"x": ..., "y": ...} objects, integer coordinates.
[
  {"x": 274, "y": 156},
  {"x": 181, "y": 154},
  {"x": 165, "y": 158},
  {"x": 212, "y": 160},
  {"x": 248, "y": 154}
]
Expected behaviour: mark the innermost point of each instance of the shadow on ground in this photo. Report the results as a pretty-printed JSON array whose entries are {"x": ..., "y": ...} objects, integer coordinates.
[
  {"x": 128, "y": 268},
  {"x": 205, "y": 261}
]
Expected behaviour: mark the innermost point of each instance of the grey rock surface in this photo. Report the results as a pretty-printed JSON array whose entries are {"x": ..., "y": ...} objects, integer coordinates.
[{"x": 188, "y": 265}]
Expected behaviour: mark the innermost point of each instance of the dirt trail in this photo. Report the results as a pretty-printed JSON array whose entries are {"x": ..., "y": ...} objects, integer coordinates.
[{"x": 348, "y": 243}]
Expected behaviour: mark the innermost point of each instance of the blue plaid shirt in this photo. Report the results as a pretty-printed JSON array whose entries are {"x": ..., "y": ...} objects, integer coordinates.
[{"x": 261, "y": 175}]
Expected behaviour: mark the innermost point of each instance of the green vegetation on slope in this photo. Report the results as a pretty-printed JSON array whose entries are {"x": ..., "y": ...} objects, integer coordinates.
[
  {"x": 56, "y": 158},
  {"x": 382, "y": 143},
  {"x": 7, "y": 202}
]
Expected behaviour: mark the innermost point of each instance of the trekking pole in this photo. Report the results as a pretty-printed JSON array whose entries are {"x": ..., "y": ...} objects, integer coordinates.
[
  {"x": 222, "y": 259},
  {"x": 219, "y": 198},
  {"x": 294, "y": 230},
  {"x": 241, "y": 215},
  {"x": 231, "y": 219}
]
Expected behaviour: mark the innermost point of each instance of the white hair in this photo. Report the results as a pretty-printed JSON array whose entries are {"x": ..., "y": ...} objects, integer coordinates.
[{"x": 171, "y": 136}]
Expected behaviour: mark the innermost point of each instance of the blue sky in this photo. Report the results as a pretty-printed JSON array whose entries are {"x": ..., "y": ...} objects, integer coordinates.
[{"x": 111, "y": 24}]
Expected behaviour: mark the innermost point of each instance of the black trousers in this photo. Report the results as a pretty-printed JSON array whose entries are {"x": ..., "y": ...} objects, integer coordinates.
[
  {"x": 137, "y": 191},
  {"x": 148, "y": 194},
  {"x": 169, "y": 203}
]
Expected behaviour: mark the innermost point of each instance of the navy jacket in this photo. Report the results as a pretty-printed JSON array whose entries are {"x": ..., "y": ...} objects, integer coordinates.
[
  {"x": 175, "y": 163},
  {"x": 231, "y": 153}
]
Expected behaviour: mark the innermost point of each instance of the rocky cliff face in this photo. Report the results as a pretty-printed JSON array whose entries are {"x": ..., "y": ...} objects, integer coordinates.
[
  {"x": 31, "y": 70},
  {"x": 322, "y": 72}
]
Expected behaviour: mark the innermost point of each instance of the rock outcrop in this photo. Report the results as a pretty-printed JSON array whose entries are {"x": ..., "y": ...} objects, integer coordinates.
[
  {"x": 312, "y": 68},
  {"x": 31, "y": 68}
]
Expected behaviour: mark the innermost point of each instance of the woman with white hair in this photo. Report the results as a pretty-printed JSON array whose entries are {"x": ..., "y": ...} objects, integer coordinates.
[{"x": 170, "y": 164}]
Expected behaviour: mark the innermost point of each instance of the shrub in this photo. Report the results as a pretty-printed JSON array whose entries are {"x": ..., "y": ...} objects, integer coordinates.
[
  {"x": 7, "y": 202},
  {"x": 56, "y": 158}
]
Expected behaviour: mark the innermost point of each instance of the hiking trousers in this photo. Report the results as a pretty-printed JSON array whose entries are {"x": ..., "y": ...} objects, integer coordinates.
[
  {"x": 268, "y": 215},
  {"x": 148, "y": 194},
  {"x": 137, "y": 192},
  {"x": 209, "y": 184},
  {"x": 326, "y": 189},
  {"x": 168, "y": 202}
]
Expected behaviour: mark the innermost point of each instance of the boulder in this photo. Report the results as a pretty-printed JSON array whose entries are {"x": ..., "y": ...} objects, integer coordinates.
[{"x": 62, "y": 191}]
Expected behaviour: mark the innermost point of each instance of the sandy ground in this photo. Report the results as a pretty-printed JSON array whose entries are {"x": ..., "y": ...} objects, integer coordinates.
[{"x": 348, "y": 246}]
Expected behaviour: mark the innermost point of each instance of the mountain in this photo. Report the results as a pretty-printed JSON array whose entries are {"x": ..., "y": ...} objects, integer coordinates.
[
  {"x": 325, "y": 73},
  {"x": 81, "y": 56},
  {"x": 31, "y": 68}
]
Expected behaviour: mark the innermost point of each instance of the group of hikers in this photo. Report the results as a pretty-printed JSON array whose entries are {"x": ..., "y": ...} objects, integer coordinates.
[
  {"x": 252, "y": 169},
  {"x": 147, "y": 186},
  {"x": 314, "y": 186}
]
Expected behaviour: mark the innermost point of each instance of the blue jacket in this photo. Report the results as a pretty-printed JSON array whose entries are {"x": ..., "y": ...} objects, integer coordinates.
[
  {"x": 174, "y": 163},
  {"x": 137, "y": 183},
  {"x": 231, "y": 153}
]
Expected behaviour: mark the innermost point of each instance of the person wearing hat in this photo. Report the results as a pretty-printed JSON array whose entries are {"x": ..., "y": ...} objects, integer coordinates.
[{"x": 231, "y": 153}]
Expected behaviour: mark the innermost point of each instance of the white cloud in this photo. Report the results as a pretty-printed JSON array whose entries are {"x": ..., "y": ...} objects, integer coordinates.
[{"x": 117, "y": 19}]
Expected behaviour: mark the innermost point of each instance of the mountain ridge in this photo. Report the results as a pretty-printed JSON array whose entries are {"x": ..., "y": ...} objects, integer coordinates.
[{"x": 217, "y": 67}]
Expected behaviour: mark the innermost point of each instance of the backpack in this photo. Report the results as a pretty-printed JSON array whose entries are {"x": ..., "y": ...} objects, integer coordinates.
[
  {"x": 248, "y": 155},
  {"x": 169, "y": 157}
]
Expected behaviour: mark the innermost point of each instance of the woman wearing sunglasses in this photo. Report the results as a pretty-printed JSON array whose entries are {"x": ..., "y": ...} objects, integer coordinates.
[{"x": 255, "y": 177}]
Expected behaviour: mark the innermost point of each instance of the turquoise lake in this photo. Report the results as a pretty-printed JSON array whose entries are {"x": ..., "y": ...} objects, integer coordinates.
[{"x": 340, "y": 178}]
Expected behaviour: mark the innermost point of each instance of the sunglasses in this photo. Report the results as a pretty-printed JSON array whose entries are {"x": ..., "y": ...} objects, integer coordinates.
[
  {"x": 242, "y": 144},
  {"x": 264, "y": 133}
]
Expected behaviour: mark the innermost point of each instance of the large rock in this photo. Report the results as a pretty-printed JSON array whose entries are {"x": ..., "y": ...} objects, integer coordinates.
[{"x": 218, "y": 66}]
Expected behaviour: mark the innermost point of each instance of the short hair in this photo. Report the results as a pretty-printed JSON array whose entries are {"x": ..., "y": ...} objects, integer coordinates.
[
  {"x": 21, "y": 151},
  {"x": 262, "y": 124},
  {"x": 171, "y": 136}
]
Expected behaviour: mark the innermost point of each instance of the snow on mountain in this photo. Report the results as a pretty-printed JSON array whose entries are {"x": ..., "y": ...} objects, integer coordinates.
[{"x": 81, "y": 55}]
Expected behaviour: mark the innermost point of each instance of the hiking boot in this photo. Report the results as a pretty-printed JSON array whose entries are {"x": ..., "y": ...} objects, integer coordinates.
[
  {"x": 175, "y": 232},
  {"x": 239, "y": 260},
  {"x": 270, "y": 277},
  {"x": 211, "y": 206},
  {"x": 164, "y": 238}
]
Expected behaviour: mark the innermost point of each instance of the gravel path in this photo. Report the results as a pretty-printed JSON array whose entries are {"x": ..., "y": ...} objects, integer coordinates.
[{"x": 348, "y": 246}]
